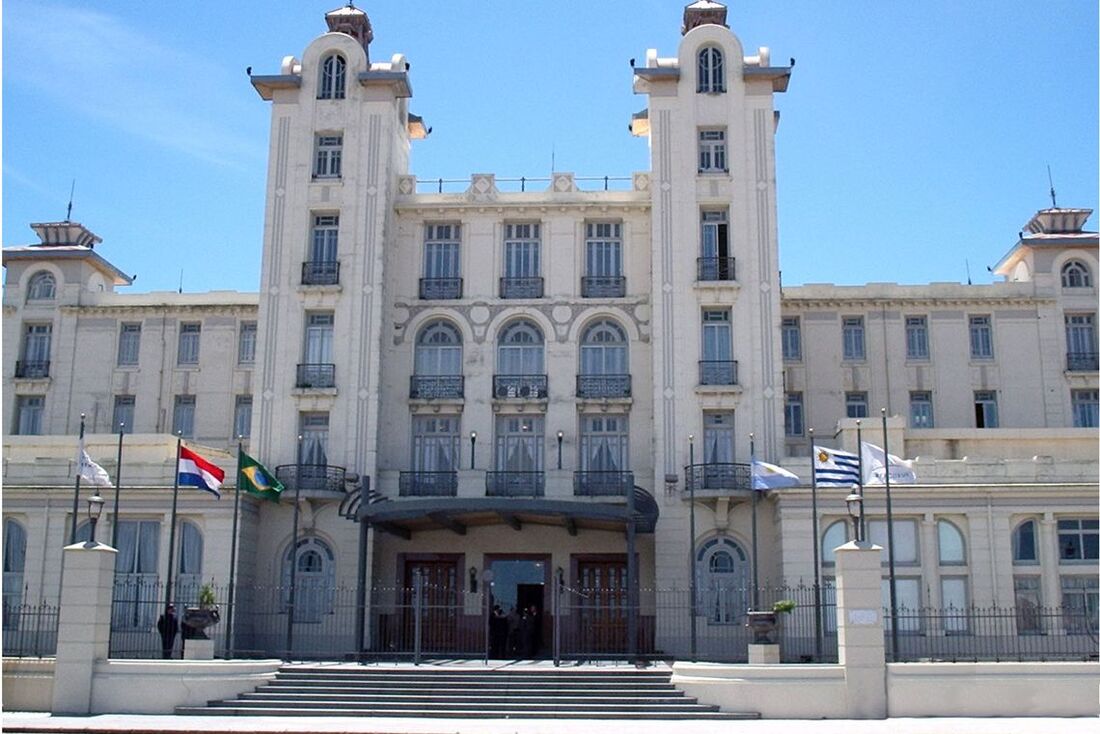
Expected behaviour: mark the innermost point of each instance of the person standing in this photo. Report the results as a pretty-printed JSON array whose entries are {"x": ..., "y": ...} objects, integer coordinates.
[{"x": 168, "y": 626}]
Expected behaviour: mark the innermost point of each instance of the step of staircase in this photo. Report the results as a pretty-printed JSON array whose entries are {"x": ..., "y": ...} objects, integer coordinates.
[{"x": 468, "y": 691}]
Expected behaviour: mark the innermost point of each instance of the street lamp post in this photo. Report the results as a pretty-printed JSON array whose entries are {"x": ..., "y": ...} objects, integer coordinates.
[
  {"x": 561, "y": 436},
  {"x": 855, "y": 510},
  {"x": 95, "y": 509},
  {"x": 473, "y": 444},
  {"x": 691, "y": 548}
]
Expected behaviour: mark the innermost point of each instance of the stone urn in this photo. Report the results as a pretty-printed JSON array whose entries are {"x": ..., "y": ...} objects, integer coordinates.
[
  {"x": 197, "y": 619},
  {"x": 763, "y": 625}
]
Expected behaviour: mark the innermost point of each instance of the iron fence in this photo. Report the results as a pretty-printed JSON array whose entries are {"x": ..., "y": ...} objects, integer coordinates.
[{"x": 29, "y": 629}]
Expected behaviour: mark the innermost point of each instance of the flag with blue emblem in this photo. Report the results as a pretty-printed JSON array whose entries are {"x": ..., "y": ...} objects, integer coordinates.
[{"x": 256, "y": 479}]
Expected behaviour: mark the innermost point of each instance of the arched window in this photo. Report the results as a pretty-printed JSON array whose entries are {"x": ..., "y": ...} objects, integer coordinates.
[
  {"x": 189, "y": 569},
  {"x": 314, "y": 580},
  {"x": 835, "y": 535},
  {"x": 712, "y": 74},
  {"x": 15, "y": 558},
  {"x": 1075, "y": 274},
  {"x": 723, "y": 580},
  {"x": 333, "y": 73},
  {"x": 439, "y": 350},
  {"x": 603, "y": 350},
  {"x": 520, "y": 350},
  {"x": 951, "y": 542},
  {"x": 41, "y": 287},
  {"x": 1024, "y": 547}
]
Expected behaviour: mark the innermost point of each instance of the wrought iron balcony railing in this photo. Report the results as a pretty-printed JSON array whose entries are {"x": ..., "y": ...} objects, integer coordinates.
[
  {"x": 427, "y": 484},
  {"x": 440, "y": 289},
  {"x": 429, "y": 387},
  {"x": 316, "y": 375},
  {"x": 1082, "y": 361},
  {"x": 521, "y": 287},
  {"x": 716, "y": 268},
  {"x": 603, "y": 286},
  {"x": 717, "y": 372},
  {"x": 322, "y": 272},
  {"x": 515, "y": 483},
  {"x": 602, "y": 483},
  {"x": 32, "y": 370},
  {"x": 312, "y": 477},
  {"x": 530, "y": 387},
  {"x": 603, "y": 386},
  {"x": 718, "y": 476}
]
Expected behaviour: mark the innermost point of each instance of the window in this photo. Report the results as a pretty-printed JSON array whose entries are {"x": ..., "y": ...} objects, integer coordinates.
[
  {"x": 323, "y": 268},
  {"x": 442, "y": 248},
  {"x": 15, "y": 559},
  {"x": 314, "y": 579},
  {"x": 520, "y": 350},
  {"x": 920, "y": 409},
  {"x": 916, "y": 337},
  {"x": 712, "y": 76},
  {"x": 985, "y": 409},
  {"x": 36, "y": 351},
  {"x": 905, "y": 540},
  {"x": 41, "y": 287},
  {"x": 522, "y": 268},
  {"x": 242, "y": 416},
  {"x": 855, "y": 404},
  {"x": 313, "y": 428},
  {"x": 189, "y": 568},
  {"x": 955, "y": 601},
  {"x": 1024, "y": 547},
  {"x": 129, "y": 344},
  {"x": 326, "y": 164},
  {"x": 137, "y": 591},
  {"x": 717, "y": 367},
  {"x": 852, "y": 329},
  {"x": 123, "y": 417},
  {"x": 1079, "y": 604},
  {"x": 188, "y": 352},
  {"x": 952, "y": 545},
  {"x": 333, "y": 73},
  {"x": 1078, "y": 540},
  {"x": 1085, "y": 412},
  {"x": 981, "y": 337},
  {"x": 792, "y": 414},
  {"x": 834, "y": 536},
  {"x": 183, "y": 416},
  {"x": 1081, "y": 341},
  {"x": 603, "y": 248},
  {"x": 718, "y": 438},
  {"x": 438, "y": 350},
  {"x": 1075, "y": 274},
  {"x": 909, "y": 601},
  {"x": 717, "y": 262},
  {"x": 1028, "y": 598},
  {"x": 246, "y": 343},
  {"x": 436, "y": 445},
  {"x": 723, "y": 581},
  {"x": 28, "y": 415},
  {"x": 519, "y": 445},
  {"x": 605, "y": 441},
  {"x": 712, "y": 151},
  {"x": 319, "y": 331},
  {"x": 603, "y": 349},
  {"x": 792, "y": 339}
]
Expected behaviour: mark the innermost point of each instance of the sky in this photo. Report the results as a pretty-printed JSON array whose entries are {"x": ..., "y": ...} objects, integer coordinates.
[{"x": 914, "y": 140}]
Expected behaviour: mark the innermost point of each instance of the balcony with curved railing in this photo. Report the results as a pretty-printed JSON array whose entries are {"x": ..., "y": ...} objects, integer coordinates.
[
  {"x": 312, "y": 477},
  {"x": 427, "y": 484},
  {"x": 603, "y": 386},
  {"x": 603, "y": 286},
  {"x": 602, "y": 483},
  {"x": 321, "y": 272},
  {"x": 515, "y": 484},
  {"x": 520, "y": 387},
  {"x": 721, "y": 477},
  {"x": 436, "y": 387}
]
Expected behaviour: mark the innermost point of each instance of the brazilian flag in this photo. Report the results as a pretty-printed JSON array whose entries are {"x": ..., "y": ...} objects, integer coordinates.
[{"x": 255, "y": 478}]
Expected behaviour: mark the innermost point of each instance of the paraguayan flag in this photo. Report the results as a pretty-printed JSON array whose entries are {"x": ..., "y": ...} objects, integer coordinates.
[{"x": 833, "y": 468}]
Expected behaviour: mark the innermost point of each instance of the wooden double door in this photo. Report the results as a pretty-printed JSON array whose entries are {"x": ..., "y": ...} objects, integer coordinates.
[{"x": 601, "y": 601}]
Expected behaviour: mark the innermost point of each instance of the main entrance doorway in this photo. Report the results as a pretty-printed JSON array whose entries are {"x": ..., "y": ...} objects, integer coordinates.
[
  {"x": 601, "y": 603},
  {"x": 519, "y": 626}
]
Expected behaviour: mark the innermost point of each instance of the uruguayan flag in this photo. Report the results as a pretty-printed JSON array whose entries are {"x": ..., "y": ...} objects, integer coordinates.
[{"x": 834, "y": 468}]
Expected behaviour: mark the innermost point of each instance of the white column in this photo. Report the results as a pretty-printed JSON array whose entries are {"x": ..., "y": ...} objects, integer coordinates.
[
  {"x": 1048, "y": 561},
  {"x": 84, "y": 624},
  {"x": 860, "y": 644}
]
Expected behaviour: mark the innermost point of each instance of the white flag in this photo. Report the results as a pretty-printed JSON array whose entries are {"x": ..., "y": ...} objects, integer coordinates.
[
  {"x": 770, "y": 476},
  {"x": 91, "y": 471},
  {"x": 874, "y": 467}
]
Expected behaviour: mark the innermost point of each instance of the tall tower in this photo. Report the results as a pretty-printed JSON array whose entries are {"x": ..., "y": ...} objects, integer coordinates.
[{"x": 340, "y": 135}]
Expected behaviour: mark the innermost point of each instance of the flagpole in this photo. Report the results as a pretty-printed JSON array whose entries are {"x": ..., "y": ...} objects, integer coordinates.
[
  {"x": 118, "y": 486},
  {"x": 233, "y": 554},
  {"x": 755, "y": 577},
  {"x": 172, "y": 526},
  {"x": 76, "y": 488},
  {"x": 817, "y": 550},
  {"x": 294, "y": 554},
  {"x": 890, "y": 542},
  {"x": 692, "y": 581},
  {"x": 861, "y": 526}
]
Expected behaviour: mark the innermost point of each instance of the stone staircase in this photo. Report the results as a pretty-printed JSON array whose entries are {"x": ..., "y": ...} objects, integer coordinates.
[{"x": 512, "y": 691}]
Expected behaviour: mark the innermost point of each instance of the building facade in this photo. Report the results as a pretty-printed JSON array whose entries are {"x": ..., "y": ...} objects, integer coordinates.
[{"x": 522, "y": 390}]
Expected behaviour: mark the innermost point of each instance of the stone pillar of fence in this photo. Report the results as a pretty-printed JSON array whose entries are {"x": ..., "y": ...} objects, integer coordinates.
[
  {"x": 861, "y": 647},
  {"x": 84, "y": 623}
]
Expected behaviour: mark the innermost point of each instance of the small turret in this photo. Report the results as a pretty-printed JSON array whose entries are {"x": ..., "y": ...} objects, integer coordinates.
[
  {"x": 704, "y": 12},
  {"x": 353, "y": 22},
  {"x": 53, "y": 234}
]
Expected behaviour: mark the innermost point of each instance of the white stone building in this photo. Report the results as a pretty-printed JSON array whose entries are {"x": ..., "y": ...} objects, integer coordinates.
[{"x": 482, "y": 380}]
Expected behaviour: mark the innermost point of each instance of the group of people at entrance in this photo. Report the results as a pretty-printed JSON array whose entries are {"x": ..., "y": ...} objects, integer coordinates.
[{"x": 517, "y": 634}]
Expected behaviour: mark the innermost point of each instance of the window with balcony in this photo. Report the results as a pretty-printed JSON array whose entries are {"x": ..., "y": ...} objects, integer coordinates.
[
  {"x": 717, "y": 261},
  {"x": 852, "y": 336},
  {"x": 35, "y": 363},
  {"x": 42, "y": 286},
  {"x": 717, "y": 366},
  {"x": 916, "y": 337},
  {"x": 122, "y": 419},
  {"x": 522, "y": 265},
  {"x": 1075, "y": 274},
  {"x": 333, "y": 76},
  {"x": 605, "y": 367},
  {"x": 520, "y": 367},
  {"x": 985, "y": 409},
  {"x": 14, "y": 563},
  {"x": 792, "y": 415},
  {"x": 437, "y": 372},
  {"x": 711, "y": 75},
  {"x": 603, "y": 248},
  {"x": 323, "y": 267},
  {"x": 436, "y": 454},
  {"x": 242, "y": 416},
  {"x": 187, "y": 353},
  {"x": 317, "y": 369},
  {"x": 518, "y": 461},
  {"x": 28, "y": 415},
  {"x": 1085, "y": 408},
  {"x": 981, "y": 337},
  {"x": 183, "y": 416},
  {"x": 855, "y": 404},
  {"x": 604, "y": 456},
  {"x": 442, "y": 271},
  {"x": 1081, "y": 355},
  {"x": 716, "y": 468},
  {"x": 329, "y": 151},
  {"x": 712, "y": 150},
  {"x": 129, "y": 344},
  {"x": 792, "y": 339},
  {"x": 920, "y": 409},
  {"x": 246, "y": 343},
  {"x": 313, "y": 445}
]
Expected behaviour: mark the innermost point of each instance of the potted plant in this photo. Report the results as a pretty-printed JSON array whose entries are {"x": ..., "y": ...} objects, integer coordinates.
[
  {"x": 206, "y": 614},
  {"x": 764, "y": 623}
]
